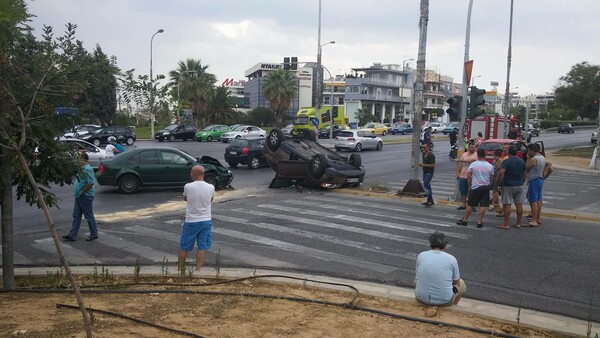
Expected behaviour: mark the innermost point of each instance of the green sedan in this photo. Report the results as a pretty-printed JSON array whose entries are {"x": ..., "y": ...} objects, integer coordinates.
[
  {"x": 210, "y": 133},
  {"x": 158, "y": 167}
]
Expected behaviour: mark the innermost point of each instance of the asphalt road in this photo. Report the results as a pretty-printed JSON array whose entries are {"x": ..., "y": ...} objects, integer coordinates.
[{"x": 553, "y": 268}]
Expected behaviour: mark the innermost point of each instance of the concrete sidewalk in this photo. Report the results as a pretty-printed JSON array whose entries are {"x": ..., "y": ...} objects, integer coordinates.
[{"x": 475, "y": 307}]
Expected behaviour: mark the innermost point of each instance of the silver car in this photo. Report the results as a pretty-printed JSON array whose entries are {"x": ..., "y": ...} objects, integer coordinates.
[
  {"x": 594, "y": 137},
  {"x": 94, "y": 153},
  {"x": 243, "y": 131},
  {"x": 357, "y": 140}
]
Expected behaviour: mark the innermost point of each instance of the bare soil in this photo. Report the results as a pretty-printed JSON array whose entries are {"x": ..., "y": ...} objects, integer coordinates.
[{"x": 36, "y": 314}]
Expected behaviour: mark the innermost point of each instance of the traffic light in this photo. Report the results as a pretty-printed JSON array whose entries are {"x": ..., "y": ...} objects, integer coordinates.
[
  {"x": 454, "y": 110},
  {"x": 286, "y": 63},
  {"x": 476, "y": 100},
  {"x": 596, "y": 105}
]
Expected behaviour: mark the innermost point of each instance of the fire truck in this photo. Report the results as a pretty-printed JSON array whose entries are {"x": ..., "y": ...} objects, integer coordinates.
[{"x": 491, "y": 127}]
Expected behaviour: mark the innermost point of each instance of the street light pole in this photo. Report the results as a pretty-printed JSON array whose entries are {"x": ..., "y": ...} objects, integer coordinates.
[
  {"x": 320, "y": 71},
  {"x": 402, "y": 90},
  {"x": 473, "y": 79},
  {"x": 508, "y": 63},
  {"x": 331, "y": 103},
  {"x": 152, "y": 86}
]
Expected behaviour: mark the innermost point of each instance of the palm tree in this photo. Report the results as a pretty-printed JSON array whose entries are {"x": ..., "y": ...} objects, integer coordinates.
[
  {"x": 221, "y": 108},
  {"x": 196, "y": 87},
  {"x": 280, "y": 89}
]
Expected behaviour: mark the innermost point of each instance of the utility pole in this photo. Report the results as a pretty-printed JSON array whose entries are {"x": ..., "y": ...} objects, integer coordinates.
[
  {"x": 465, "y": 80},
  {"x": 319, "y": 83},
  {"x": 508, "y": 62},
  {"x": 413, "y": 186}
]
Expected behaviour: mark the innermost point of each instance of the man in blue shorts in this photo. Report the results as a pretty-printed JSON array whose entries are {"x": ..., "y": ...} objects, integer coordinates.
[
  {"x": 538, "y": 169},
  {"x": 197, "y": 227}
]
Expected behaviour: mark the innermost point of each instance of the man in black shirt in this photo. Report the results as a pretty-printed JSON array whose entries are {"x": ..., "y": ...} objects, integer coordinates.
[{"x": 428, "y": 166}]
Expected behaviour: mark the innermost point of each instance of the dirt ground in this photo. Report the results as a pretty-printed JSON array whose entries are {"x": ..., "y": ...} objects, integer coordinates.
[{"x": 36, "y": 314}]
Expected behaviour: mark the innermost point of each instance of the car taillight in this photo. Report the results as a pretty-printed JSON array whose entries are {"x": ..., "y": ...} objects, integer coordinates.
[
  {"x": 101, "y": 168},
  {"x": 351, "y": 139},
  {"x": 337, "y": 138},
  {"x": 245, "y": 151}
]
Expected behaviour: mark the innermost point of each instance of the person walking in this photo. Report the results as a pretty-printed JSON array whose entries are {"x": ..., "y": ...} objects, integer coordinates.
[
  {"x": 428, "y": 165},
  {"x": 83, "y": 192},
  {"x": 479, "y": 179},
  {"x": 461, "y": 173},
  {"x": 437, "y": 280},
  {"x": 512, "y": 174},
  {"x": 453, "y": 136},
  {"x": 197, "y": 227},
  {"x": 538, "y": 169}
]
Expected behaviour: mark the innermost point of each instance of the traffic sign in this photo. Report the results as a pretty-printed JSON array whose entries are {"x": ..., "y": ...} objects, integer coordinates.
[
  {"x": 314, "y": 121},
  {"x": 65, "y": 111}
]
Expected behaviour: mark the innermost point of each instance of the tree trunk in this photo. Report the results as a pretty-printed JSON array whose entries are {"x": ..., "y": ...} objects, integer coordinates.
[
  {"x": 63, "y": 260},
  {"x": 8, "y": 261}
]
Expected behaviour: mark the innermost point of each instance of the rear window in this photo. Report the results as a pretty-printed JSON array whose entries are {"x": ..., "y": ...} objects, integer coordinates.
[
  {"x": 239, "y": 143},
  {"x": 490, "y": 146},
  {"x": 346, "y": 134}
]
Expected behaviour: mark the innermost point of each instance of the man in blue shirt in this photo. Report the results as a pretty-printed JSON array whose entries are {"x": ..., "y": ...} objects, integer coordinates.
[
  {"x": 83, "y": 191},
  {"x": 511, "y": 176},
  {"x": 437, "y": 278}
]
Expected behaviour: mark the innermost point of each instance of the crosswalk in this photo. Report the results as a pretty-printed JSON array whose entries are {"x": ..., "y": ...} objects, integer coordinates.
[
  {"x": 288, "y": 231},
  {"x": 586, "y": 186}
]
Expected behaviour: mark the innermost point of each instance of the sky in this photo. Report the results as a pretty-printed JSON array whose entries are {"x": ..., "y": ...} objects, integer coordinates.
[{"x": 549, "y": 36}]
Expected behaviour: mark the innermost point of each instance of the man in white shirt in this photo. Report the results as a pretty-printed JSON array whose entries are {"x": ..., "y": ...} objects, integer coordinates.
[
  {"x": 197, "y": 227},
  {"x": 479, "y": 177},
  {"x": 437, "y": 278}
]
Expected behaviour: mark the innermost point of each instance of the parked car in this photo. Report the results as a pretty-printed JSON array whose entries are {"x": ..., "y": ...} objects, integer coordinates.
[
  {"x": 247, "y": 152},
  {"x": 324, "y": 132},
  {"x": 403, "y": 128},
  {"x": 95, "y": 154},
  {"x": 529, "y": 128},
  {"x": 153, "y": 167},
  {"x": 389, "y": 127},
  {"x": 375, "y": 128},
  {"x": 287, "y": 130},
  {"x": 594, "y": 137},
  {"x": 357, "y": 140},
  {"x": 210, "y": 133},
  {"x": 436, "y": 127},
  {"x": 80, "y": 130},
  {"x": 450, "y": 127},
  {"x": 566, "y": 128},
  {"x": 100, "y": 136},
  {"x": 492, "y": 144},
  {"x": 243, "y": 131},
  {"x": 304, "y": 162},
  {"x": 175, "y": 132}
]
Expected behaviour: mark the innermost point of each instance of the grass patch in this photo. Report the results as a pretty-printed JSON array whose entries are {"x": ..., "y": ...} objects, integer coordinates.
[
  {"x": 378, "y": 188},
  {"x": 584, "y": 152}
]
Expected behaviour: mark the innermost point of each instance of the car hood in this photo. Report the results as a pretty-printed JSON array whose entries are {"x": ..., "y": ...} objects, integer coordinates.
[{"x": 211, "y": 160}]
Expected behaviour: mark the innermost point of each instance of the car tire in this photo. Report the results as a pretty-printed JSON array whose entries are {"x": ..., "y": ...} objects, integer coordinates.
[
  {"x": 274, "y": 140},
  {"x": 393, "y": 133},
  {"x": 160, "y": 140},
  {"x": 172, "y": 138},
  {"x": 232, "y": 164},
  {"x": 254, "y": 163},
  {"x": 383, "y": 133},
  {"x": 96, "y": 142},
  {"x": 355, "y": 160},
  {"x": 211, "y": 178},
  {"x": 128, "y": 184},
  {"x": 199, "y": 139},
  {"x": 358, "y": 147},
  {"x": 129, "y": 141},
  {"x": 208, "y": 138},
  {"x": 317, "y": 166},
  {"x": 379, "y": 146}
]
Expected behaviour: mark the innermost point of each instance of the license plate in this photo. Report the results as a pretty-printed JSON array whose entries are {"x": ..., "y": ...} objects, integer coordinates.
[
  {"x": 233, "y": 153},
  {"x": 353, "y": 180}
]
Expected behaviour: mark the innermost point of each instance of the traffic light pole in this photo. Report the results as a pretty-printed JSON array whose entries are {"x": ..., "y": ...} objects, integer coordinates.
[
  {"x": 463, "y": 102},
  {"x": 594, "y": 162}
]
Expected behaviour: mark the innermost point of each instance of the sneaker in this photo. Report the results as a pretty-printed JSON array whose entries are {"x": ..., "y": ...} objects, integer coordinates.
[
  {"x": 462, "y": 222},
  {"x": 480, "y": 225},
  {"x": 461, "y": 208},
  {"x": 91, "y": 238},
  {"x": 68, "y": 238}
]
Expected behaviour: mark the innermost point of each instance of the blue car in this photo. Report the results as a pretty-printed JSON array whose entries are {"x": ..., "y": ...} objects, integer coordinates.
[
  {"x": 450, "y": 127},
  {"x": 402, "y": 129}
]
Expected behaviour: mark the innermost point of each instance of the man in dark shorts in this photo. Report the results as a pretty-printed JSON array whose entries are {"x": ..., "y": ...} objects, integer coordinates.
[
  {"x": 512, "y": 174},
  {"x": 479, "y": 177},
  {"x": 428, "y": 166}
]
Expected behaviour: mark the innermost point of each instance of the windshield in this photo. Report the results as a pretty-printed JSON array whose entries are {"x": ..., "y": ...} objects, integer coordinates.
[
  {"x": 209, "y": 128},
  {"x": 239, "y": 143},
  {"x": 98, "y": 131},
  {"x": 171, "y": 127},
  {"x": 239, "y": 128},
  {"x": 370, "y": 125},
  {"x": 301, "y": 120}
]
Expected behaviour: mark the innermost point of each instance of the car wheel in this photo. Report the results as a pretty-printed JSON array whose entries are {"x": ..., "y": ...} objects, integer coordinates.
[
  {"x": 96, "y": 142},
  {"x": 199, "y": 139},
  {"x": 383, "y": 133},
  {"x": 172, "y": 138},
  {"x": 130, "y": 141},
  {"x": 379, "y": 145},
  {"x": 211, "y": 178},
  {"x": 160, "y": 140},
  {"x": 358, "y": 147},
  {"x": 254, "y": 163},
  {"x": 208, "y": 138},
  {"x": 317, "y": 165},
  {"x": 355, "y": 160},
  {"x": 393, "y": 133},
  {"x": 232, "y": 164},
  {"x": 573, "y": 132},
  {"x": 128, "y": 184},
  {"x": 275, "y": 139}
]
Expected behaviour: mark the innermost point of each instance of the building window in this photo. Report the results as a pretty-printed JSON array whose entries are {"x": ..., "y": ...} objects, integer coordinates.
[
  {"x": 341, "y": 100},
  {"x": 389, "y": 93}
]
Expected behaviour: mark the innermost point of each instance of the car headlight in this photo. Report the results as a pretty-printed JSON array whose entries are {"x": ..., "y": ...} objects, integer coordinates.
[
  {"x": 228, "y": 171},
  {"x": 166, "y": 133},
  {"x": 85, "y": 137}
]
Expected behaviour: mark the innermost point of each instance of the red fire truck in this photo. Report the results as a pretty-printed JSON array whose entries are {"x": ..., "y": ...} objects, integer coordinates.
[{"x": 491, "y": 127}]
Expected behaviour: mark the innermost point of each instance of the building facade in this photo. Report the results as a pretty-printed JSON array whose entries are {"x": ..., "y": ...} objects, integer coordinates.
[{"x": 437, "y": 90}]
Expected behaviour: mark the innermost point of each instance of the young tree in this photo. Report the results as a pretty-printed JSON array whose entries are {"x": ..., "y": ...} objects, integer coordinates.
[
  {"x": 577, "y": 90},
  {"x": 221, "y": 108},
  {"x": 148, "y": 96},
  {"x": 34, "y": 79},
  {"x": 280, "y": 89}
]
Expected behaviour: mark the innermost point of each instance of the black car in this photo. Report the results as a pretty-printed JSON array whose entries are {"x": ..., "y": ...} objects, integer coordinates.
[
  {"x": 158, "y": 167},
  {"x": 566, "y": 128},
  {"x": 100, "y": 136},
  {"x": 324, "y": 132},
  {"x": 247, "y": 152},
  {"x": 302, "y": 162},
  {"x": 176, "y": 132}
]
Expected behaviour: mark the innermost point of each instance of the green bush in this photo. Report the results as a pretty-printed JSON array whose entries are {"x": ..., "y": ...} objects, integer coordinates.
[{"x": 546, "y": 124}]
